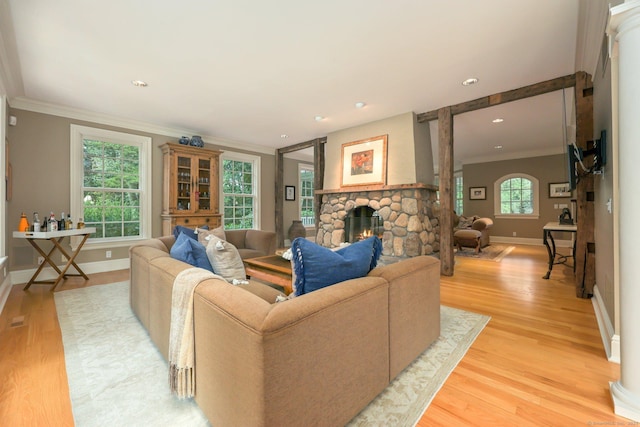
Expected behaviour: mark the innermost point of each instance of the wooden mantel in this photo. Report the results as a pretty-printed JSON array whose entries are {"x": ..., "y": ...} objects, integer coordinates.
[{"x": 359, "y": 188}]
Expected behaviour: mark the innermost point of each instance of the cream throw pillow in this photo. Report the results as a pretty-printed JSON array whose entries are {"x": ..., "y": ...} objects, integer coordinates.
[
  {"x": 203, "y": 235},
  {"x": 225, "y": 259}
]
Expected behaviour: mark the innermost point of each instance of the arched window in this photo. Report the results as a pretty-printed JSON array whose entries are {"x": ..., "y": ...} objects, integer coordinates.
[{"x": 516, "y": 196}]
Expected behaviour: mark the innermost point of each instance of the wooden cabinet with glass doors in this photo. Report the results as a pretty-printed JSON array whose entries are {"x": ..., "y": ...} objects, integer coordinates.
[{"x": 190, "y": 187}]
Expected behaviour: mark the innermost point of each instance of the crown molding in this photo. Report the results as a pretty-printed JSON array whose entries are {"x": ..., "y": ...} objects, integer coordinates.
[
  {"x": 23, "y": 103},
  {"x": 592, "y": 21}
]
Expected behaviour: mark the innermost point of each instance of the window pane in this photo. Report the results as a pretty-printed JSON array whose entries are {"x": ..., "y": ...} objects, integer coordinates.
[
  {"x": 239, "y": 194},
  {"x": 110, "y": 166}
]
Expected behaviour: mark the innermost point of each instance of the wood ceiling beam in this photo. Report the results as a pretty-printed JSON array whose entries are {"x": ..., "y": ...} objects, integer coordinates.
[{"x": 504, "y": 97}]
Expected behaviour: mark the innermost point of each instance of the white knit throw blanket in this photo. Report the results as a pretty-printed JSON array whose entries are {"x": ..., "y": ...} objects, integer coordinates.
[{"x": 181, "y": 336}]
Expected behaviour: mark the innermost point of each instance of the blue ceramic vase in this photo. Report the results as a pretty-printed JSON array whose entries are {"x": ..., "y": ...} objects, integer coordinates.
[{"x": 197, "y": 141}]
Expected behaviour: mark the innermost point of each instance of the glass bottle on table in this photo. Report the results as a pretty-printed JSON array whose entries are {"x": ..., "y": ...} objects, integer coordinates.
[
  {"x": 53, "y": 224},
  {"x": 36, "y": 223},
  {"x": 61, "y": 224}
]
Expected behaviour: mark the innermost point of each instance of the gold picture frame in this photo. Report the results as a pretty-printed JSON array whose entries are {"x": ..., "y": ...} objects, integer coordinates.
[{"x": 364, "y": 162}]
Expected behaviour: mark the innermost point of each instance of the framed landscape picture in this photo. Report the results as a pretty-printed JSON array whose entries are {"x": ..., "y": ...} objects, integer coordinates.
[
  {"x": 559, "y": 189},
  {"x": 477, "y": 193},
  {"x": 364, "y": 162}
]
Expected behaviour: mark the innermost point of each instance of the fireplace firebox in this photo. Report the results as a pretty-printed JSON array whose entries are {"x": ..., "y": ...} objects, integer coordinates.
[{"x": 362, "y": 222}]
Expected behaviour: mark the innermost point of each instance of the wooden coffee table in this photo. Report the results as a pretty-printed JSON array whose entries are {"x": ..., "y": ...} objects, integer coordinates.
[{"x": 271, "y": 268}]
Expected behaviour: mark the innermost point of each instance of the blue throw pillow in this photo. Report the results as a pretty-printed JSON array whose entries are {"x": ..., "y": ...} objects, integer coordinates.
[
  {"x": 191, "y": 251},
  {"x": 190, "y": 232},
  {"x": 316, "y": 267}
]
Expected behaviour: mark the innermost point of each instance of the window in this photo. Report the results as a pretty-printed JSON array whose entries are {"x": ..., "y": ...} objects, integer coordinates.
[
  {"x": 458, "y": 203},
  {"x": 516, "y": 196},
  {"x": 307, "y": 214},
  {"x": 458, "y": 185},
  {"x": 110, "y": 185},
  {"x": 240, "y": 193}
]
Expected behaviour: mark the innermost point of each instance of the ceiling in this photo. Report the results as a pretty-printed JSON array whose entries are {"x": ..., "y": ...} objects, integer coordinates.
[{"x": 244, "y": 72}]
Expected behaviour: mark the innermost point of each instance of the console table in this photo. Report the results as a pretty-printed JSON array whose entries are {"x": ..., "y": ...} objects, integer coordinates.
[
  {"x": 554, "y": 256},
  {"x": 55, "y": 237}
]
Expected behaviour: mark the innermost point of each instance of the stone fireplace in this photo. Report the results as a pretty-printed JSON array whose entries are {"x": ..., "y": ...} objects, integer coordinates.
[{"x": 406, "y": 217}]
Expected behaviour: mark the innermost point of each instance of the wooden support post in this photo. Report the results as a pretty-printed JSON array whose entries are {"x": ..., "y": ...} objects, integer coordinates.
[
  {"x": 446, "y": 188},
  {"x": 279, "y": 198},
  {"x": 585, "y": 197},
  {"x": 318, "y": 177}
]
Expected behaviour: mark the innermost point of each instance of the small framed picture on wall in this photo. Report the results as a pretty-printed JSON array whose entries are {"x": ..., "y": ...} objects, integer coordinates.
[
  {"x": 289, "y": 192},
  {"x": 477, "y": 193},
  {"x": 559, "y": 189}
]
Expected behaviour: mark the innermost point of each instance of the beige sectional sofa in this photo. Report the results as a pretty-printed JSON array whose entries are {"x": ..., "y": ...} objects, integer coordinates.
[{"x": 317, "y": 359}]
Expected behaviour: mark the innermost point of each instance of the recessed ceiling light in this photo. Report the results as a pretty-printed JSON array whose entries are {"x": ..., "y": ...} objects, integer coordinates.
[
  {"x": 360, "y": 104},
  {"x": 498, "y": 147},
  {"x": 284, "y": 135},
  {"x": 319, "y": 118},
  {"x": 498, "y": 120},
  {"x": 470, "y": 81},
  {"x": 139, "y": 83}
]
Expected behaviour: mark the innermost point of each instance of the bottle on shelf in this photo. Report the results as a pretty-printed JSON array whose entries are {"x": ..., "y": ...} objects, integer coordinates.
[
  {"x": 61, "y": 223},
  {"x": 68, "y": 223},
  {"x": 80, "y": 223},
  {"x": 36, "y": 223}
]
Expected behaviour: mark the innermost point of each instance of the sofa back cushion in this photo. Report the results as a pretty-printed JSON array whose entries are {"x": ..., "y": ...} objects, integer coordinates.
[{"x": 236, "y": 237}]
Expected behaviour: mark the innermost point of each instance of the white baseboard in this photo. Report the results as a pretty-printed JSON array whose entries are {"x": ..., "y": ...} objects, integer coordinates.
[
  {"x": 528, "y": 241},
  {"x": 5, "y": 285},
  {"x": 625, "y": 402},
  {"x": 610, "y": 339},
  {"x": 23, "y": 276}
]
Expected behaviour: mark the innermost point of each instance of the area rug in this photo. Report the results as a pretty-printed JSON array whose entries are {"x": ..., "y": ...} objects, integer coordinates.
[
  {"x": 492, "y": 252},
  {"x": 117, "y": 376}
]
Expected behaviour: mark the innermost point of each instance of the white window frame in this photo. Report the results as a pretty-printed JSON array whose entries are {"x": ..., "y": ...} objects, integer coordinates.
[
  {"x": 257, "y": 187},
  {"x": 304, "y": 167},
  {"x": 78, "y": 133},
  {"x": 536, "y": 197}
]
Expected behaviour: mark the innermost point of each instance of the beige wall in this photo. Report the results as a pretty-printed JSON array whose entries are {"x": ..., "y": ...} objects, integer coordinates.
[
  {"x": 402, "y": 154},
  {"x": 41, "y": 164},
  {"x": 547, "y": 169}
]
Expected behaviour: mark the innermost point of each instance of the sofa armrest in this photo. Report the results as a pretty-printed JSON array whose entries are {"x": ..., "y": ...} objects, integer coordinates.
[
  {"x": 262, "y": 364},
  {"x": 414, "y": 308},
  {"x": 482, "y": 223}
]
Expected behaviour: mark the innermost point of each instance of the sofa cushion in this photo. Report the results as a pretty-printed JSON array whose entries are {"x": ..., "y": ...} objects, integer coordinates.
[
  {"x": 225, "y": 259},
  {"x": 204, "y": 233},
  {"x": 189, "y": 232},
  {"x": 188, "y": 249},
  {"x": 316, "y": 267},
  {"x": 466, "y": 222}
]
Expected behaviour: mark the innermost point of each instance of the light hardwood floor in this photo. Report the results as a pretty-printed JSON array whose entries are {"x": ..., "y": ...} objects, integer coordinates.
[{"x": 539, "y": 361}]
